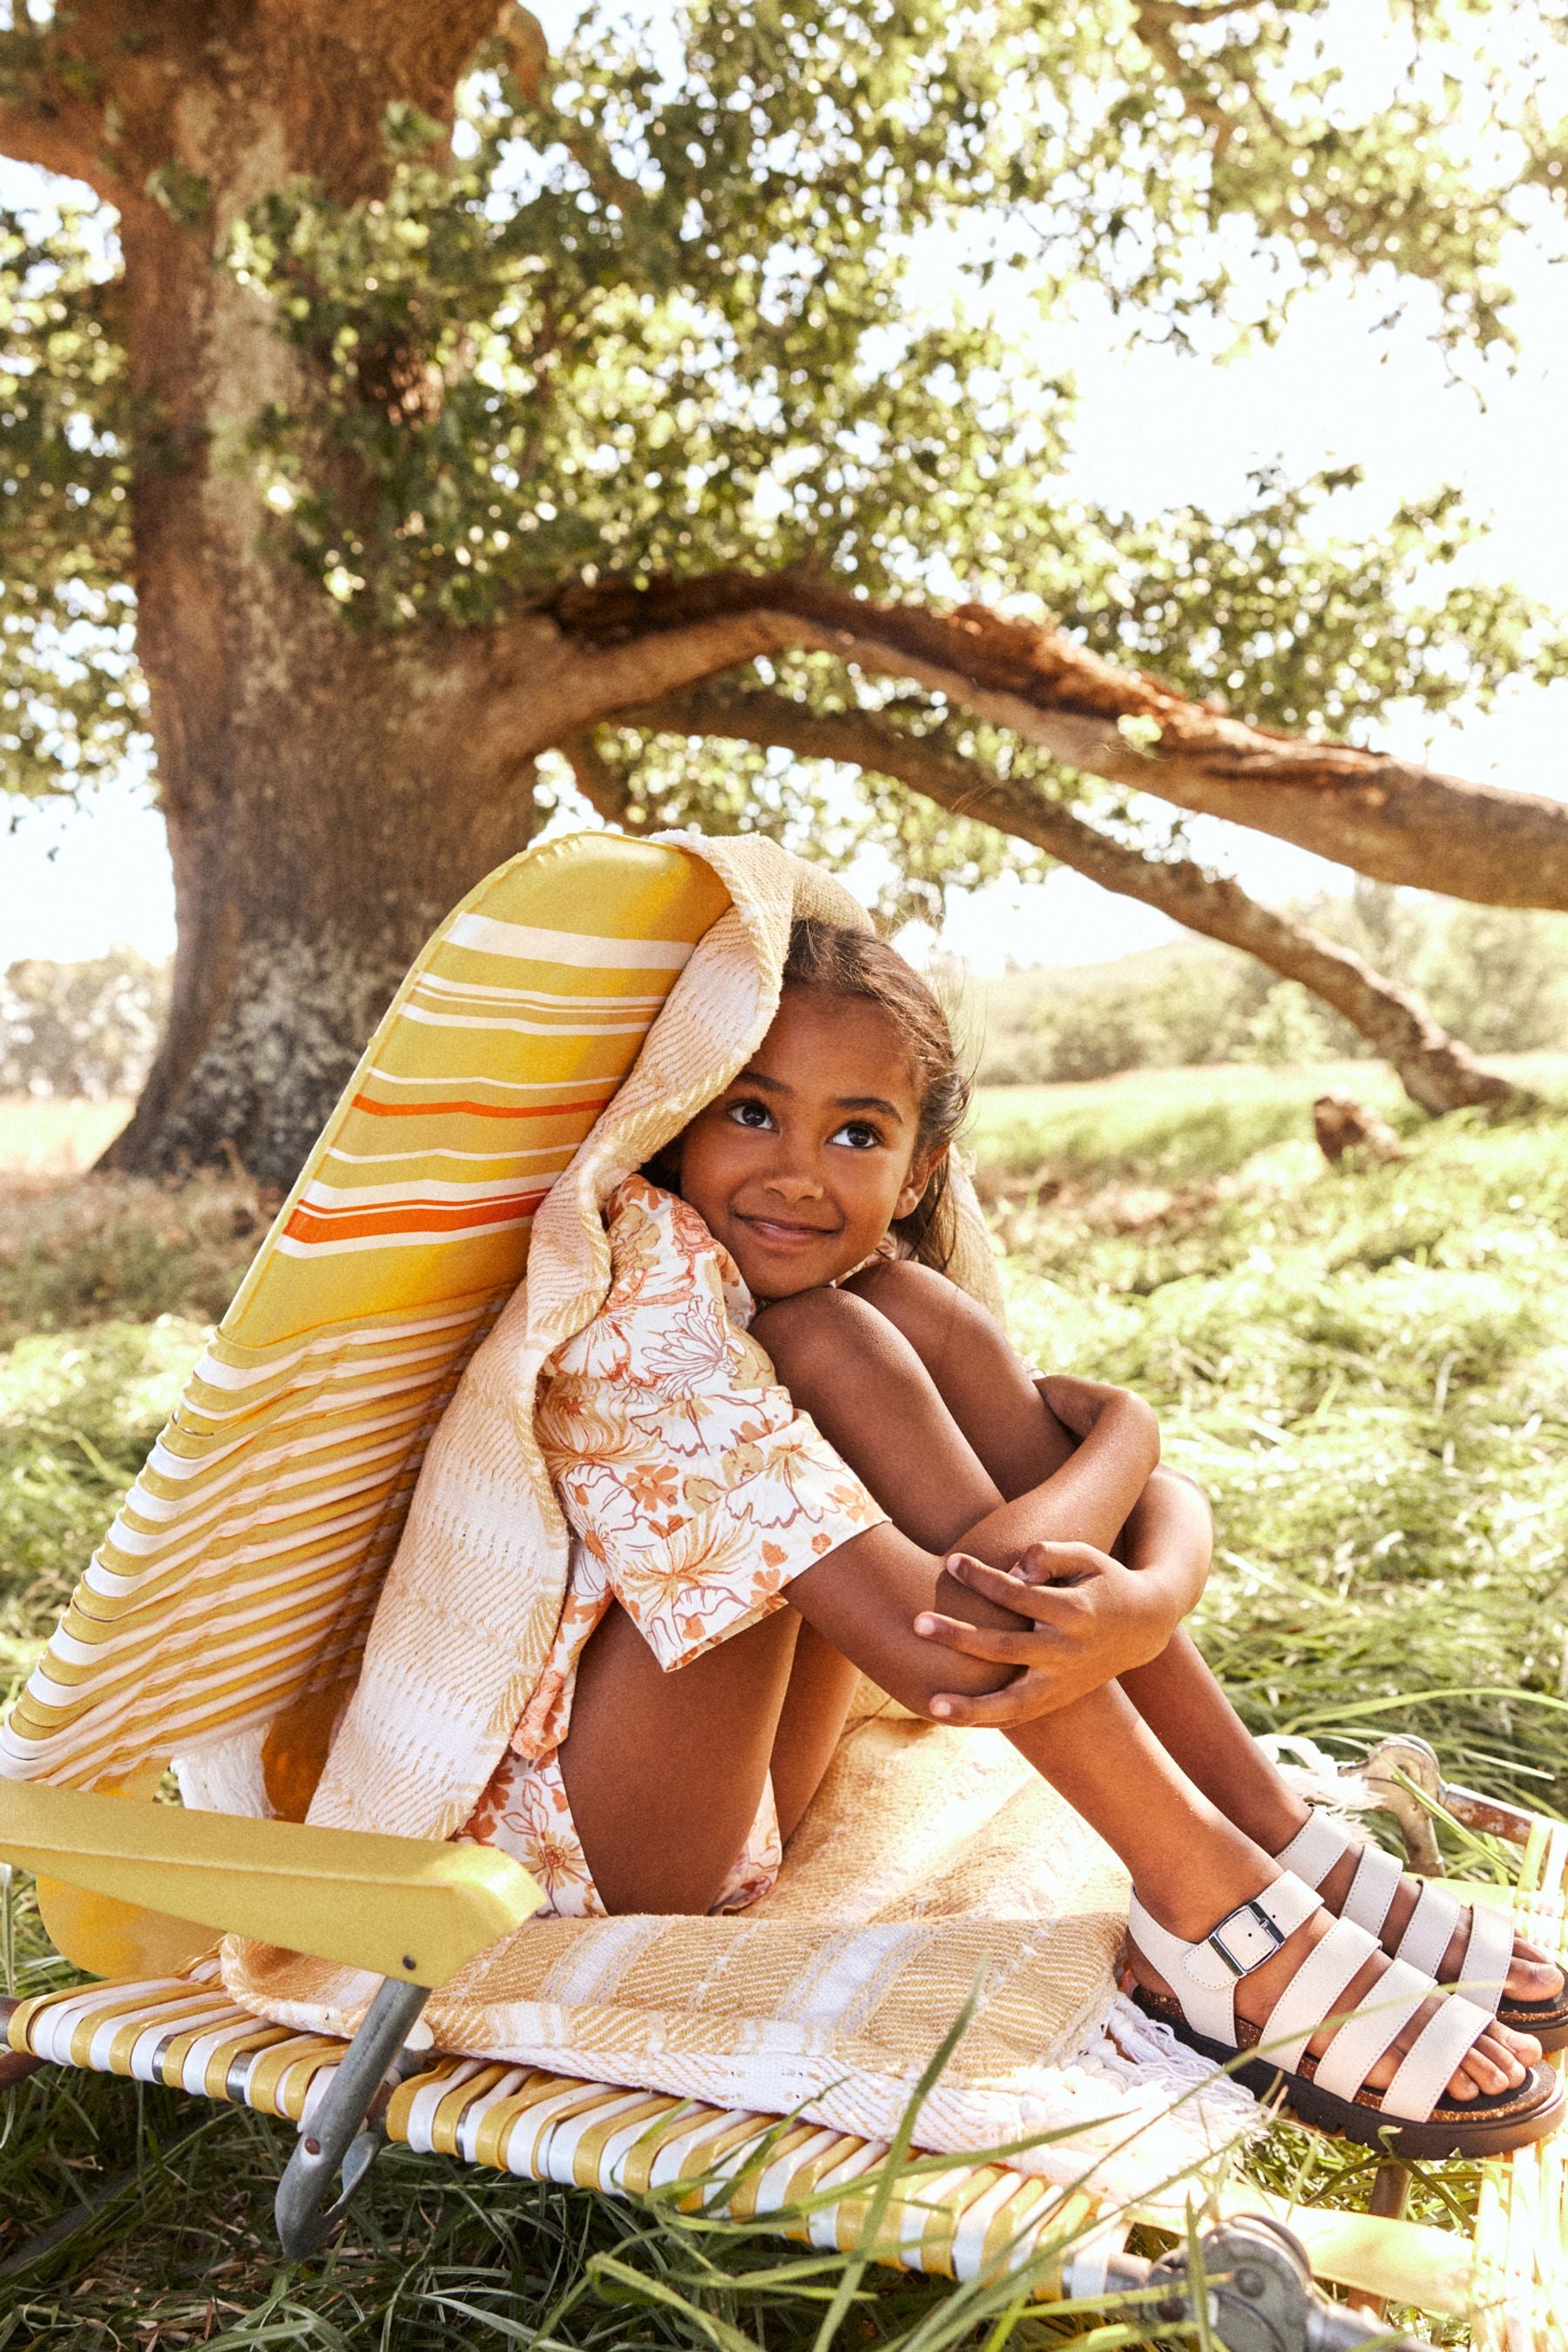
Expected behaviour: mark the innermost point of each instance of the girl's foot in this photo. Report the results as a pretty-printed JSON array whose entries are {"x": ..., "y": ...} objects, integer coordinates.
[
  {"x": 1395, "y": 2052},
  {"x": 1452, "y": 1941}
]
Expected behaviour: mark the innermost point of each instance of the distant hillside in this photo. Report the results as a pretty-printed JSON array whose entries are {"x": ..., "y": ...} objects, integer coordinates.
[{"x": 1498, "y": 979}]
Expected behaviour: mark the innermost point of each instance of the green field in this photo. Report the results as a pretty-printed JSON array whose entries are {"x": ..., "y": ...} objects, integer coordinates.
[{"x": 1368, "y": 1369}]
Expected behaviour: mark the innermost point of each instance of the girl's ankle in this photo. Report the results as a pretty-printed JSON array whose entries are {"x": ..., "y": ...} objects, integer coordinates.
[
  {"x": 1284, "y": 1822},
  {"x": 1193, "y": 1907}
]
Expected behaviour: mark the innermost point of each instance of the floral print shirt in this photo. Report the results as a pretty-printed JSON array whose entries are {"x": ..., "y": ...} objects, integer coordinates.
[{"x": 693, "y": 1488}]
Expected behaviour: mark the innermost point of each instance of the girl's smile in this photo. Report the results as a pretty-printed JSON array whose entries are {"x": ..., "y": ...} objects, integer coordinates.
[{"x": 806, "y": 1158}]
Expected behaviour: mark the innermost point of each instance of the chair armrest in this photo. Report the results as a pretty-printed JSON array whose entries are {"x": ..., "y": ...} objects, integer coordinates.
[{"x": 411, "y": 1908}]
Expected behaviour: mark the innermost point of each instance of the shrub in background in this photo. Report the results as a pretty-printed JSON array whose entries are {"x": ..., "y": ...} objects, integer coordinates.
[{"x": 81, "y": 1028}]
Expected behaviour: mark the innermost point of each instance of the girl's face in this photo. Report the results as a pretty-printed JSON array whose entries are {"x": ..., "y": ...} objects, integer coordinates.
[{"x": 802, "y": 1162}]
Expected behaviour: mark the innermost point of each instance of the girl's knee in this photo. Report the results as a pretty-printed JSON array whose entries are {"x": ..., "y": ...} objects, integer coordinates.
[
  {"x": 917, "y": 1301},
  {"x": 808, "y": 1332},
  {"x": 904, "y": 1284},
  {"x": 819, "y": 1336}
]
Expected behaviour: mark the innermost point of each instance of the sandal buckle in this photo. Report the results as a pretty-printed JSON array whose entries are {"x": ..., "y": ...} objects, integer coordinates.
[{"x": 1252, "y": 1918}]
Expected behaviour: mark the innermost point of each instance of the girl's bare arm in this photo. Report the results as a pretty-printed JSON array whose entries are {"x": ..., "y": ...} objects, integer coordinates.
[
  {"x": 1024, "y": 1429},
  {"x": 1096, "y": 1616},
  {"x": 869, "y": 1391},
  {"x": 1088, "y": 1616}
]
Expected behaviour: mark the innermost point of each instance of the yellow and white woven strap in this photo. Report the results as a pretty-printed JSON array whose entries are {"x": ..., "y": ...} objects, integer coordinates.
[{"x": 186, "y": 2033}]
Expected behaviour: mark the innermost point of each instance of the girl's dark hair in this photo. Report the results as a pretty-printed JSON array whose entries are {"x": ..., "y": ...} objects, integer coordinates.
[{"x": 838, "y": 962}]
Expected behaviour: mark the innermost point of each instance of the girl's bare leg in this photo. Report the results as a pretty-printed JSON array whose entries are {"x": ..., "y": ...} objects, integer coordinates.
[
  {"x": 664, "y": 1771},
  {"x": 1176, "y": 1695},
  {"x": 811, "y": 1721},
  {"x": 1190, "y": 1863},
  {"x": 694, "y": 1745}
]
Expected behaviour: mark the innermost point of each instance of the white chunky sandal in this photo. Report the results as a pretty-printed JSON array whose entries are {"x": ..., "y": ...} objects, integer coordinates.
[
  {"x": 1315, "y": 1850},
  {"x": 1412, "y": 2116}
]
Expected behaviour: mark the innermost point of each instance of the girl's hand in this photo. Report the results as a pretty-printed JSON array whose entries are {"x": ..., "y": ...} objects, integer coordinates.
[{"x": 1094, "y": 1618}]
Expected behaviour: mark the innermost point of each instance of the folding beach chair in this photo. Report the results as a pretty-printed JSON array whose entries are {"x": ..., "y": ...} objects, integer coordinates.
[{"x": 234, "y": 1593}]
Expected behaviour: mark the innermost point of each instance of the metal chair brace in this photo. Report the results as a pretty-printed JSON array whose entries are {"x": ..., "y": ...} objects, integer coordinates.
[
  {"x": 344, "y": 2131},
  {"x": 1252, "y": 2281},
  {"x": 1406, "y": 1778}
]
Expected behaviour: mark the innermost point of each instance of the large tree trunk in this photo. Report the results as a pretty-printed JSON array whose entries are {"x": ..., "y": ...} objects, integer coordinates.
[
  {"x": 325, "y": 804},
  {"x": 307, "y": 875}
]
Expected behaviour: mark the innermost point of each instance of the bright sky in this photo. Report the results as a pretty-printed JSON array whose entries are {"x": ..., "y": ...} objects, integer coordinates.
[{"x": 1156, "y": 428}]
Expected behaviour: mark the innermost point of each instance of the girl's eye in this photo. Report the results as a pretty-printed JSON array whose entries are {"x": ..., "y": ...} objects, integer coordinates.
[
  {"x": 860, "y": 1134},
  {"x": 751, "y": 1113}
]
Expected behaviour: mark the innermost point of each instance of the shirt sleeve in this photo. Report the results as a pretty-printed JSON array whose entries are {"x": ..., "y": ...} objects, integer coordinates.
[{"x": 681, "y": 1465}]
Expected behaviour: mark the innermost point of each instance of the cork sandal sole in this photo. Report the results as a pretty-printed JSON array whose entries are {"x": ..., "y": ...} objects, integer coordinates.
[
  {"x": 1488, "y": 2124},
  {"x": 1547, "y": 2019}
]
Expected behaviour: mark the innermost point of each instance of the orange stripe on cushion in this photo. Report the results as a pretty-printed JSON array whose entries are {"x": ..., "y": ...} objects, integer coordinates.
[
  {"x": 323, "y": 1225},
  {"x": 474, "y": 1109}
]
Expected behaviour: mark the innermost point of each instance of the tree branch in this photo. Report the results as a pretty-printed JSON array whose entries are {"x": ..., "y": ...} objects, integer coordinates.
[
  {"x": 1389, "y": 818},
  {"x": 44, "y": 120},
  {"x": 53, "y": 142},
  {"x": 598, "y": 779},
  {"x": 1435, "y": 1070},
  {"x": 530, "y": 685},
  {"x": 98, "y": 94}
]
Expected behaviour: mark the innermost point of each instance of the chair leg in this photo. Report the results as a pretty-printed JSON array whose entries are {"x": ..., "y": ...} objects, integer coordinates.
[
  {"x": 1389, "y": 2196},
  {"x": 345, "y": 2129}
]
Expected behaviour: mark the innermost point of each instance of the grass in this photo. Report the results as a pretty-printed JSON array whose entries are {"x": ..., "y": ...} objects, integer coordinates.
[
  {"x": 50, "y": 1136},
  {"x": 1180, "y": 1126},
  {"x": 1368, "y": 1374},
  {"x": 1368, "y": 1369}
]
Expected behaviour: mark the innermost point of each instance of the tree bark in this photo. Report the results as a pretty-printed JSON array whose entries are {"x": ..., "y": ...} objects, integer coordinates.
[
  {"x": 303, "y": 891},
  {"x": 1435, "y": 1070}
]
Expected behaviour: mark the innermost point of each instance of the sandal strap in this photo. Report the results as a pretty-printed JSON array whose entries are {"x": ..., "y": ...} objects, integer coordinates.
[
  {"x": 1489, "y": 1954},
  {"x": 1362, "y": 2040},
  {"x": 1428, "y": 2067},
  {"x": 1203, "y": 1976},
  {"x": 1324, "y": 1840},
  {"x": 1430, "y": 1930},
  {"x": 1316, "y": 1847},
  {"x": 1312, "y": 1995},
  {"x": 1378, "y": 1877}
]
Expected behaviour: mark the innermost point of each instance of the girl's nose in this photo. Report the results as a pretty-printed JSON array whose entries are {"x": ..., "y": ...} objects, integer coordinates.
[{"x": 794, "y": 1184}]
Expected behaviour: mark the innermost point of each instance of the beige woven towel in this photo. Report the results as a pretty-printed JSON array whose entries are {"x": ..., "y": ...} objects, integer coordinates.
[{"x": 472, "y": 1601}]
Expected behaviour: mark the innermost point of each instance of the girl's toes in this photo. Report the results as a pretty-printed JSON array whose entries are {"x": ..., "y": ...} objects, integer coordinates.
[
  {"x": 1531, "y": 1975},
  {"x": 1492, "y": 2066},
  {"x": 1523, "y": 2046}
]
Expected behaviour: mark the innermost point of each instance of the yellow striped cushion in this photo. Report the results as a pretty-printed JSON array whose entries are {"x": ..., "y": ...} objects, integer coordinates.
[{"x": 248, "y": 1556}]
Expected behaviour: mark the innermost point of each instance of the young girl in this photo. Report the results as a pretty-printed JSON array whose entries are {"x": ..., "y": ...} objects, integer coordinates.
[{"x": 790, "y": 1449}]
